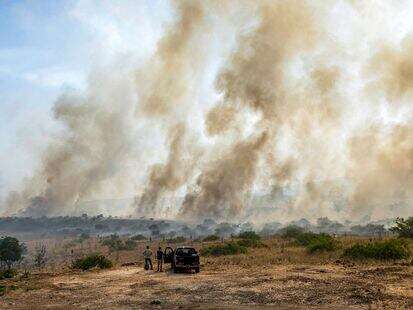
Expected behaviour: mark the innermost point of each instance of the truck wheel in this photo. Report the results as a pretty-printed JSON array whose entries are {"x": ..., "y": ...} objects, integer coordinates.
[{"x": 197, "y": 270}]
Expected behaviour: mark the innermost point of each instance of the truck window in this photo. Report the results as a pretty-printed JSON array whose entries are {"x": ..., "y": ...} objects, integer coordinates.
[{"x": 185, "y": 252}]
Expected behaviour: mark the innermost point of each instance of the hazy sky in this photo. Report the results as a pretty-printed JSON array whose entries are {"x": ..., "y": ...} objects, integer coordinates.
[
  {"x": 49, "y": 46},
  {"x": 100, "y": 49}
]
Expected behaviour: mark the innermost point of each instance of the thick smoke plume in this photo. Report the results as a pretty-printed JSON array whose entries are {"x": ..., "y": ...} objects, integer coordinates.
[
  {"x": 315, "y": 122},
  {"x": 90, "y": 151},
  {"x": 224, "y": 182}
]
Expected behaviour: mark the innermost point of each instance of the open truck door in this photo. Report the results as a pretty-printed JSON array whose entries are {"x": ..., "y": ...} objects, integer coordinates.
[{"x": 168, "y": 255}]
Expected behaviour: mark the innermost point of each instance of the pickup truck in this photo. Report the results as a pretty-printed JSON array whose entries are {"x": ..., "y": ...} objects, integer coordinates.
[{"x": 182, "y": 258}]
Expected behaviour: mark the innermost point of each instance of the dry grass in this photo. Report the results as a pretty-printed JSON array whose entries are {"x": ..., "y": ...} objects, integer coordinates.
[
  {"x": 281, "y": 274},
  {"x": 62, "y": 252}
]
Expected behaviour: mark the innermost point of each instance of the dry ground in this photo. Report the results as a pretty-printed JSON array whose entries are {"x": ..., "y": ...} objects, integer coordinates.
[
  {"x": 280, "y": 275},
  {"x": 292, "y": 286}
]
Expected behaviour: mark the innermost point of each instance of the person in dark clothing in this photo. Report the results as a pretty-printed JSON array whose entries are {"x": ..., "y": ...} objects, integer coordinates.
[{"x": 159, "y": 258}]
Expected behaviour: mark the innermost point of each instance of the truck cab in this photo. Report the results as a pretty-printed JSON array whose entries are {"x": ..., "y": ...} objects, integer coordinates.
[{"x": 182, "y": 258}]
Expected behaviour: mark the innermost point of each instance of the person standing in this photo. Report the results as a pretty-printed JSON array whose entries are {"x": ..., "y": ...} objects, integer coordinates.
[
  {"x": 147, "y": 254},
  {"x": 159, "y": 258}
]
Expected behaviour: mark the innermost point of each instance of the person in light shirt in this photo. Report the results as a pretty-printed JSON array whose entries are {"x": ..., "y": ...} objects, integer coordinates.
[{"x": 147, "y": 254}]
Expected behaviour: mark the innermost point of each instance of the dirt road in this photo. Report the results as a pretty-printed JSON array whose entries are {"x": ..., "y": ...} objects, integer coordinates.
[{"x": 231, "y": 287}]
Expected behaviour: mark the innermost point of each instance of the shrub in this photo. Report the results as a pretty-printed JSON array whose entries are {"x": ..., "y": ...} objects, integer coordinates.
[
  {"x": 130, "y": 244},
  {"x": 40, "y": 255},
  {"x": 250, "y": 235},
  {"x": 291, "y": 231},
  {"x": 404, "y": 228},
  {"x": 250, "y": 243},
  {"x": 317, "y": 242},
  {"x": 4, "y": 289},
  {"x": 138, "y": 238},
  {"x": 313, "y": 242},
  {"x": 179, "y": 239},
  {"x": 114, "y": 243},
  {"x": 91, "y": 261},
  {"x": 305, "y": 238},
  {"x": 211, "y": 238},
  {"x": 392, "y": 249},
  {"x": 8, "y": 273},
  {"x": 11, "y": 251},
  {"x": 250, "y": 239},
  {"x": 320, "y": 243},
  {"x": 230, "y": 248}
]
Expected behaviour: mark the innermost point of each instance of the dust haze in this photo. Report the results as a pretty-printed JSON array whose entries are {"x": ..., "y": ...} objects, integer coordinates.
[{"x": 313, "y": 117}]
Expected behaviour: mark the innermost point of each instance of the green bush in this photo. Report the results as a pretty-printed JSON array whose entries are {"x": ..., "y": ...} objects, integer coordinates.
[
  {"x": 291, "y": 232},
  {"x": 114, "y": 243},
  {"x": 230, "y": 248},
  {"x": 305, "y": 238},
  {"x": 250, "y": 239},
  {"x": 211, "y": 238},
  {"x": 250, "y": 235},
  {"x": 313, "y": 242},
  {"x": 392, "y": 249},
  {"x": 7, "y": 274},
  {"x": 138, "y": 238},
  {"x": 130, "y": 245},
  {"x": 91, "y": 261},
  {"x": 4, "y": 289},
  {"x": 404, "y": 228},
  {"x": 11, "y": 251},
  {"x": 321, "y": 243}
]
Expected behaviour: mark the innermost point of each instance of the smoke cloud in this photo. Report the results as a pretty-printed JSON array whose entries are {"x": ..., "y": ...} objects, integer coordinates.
[
  {"x": 302, "y": 113},
  {"x": 91, "y": 149}
]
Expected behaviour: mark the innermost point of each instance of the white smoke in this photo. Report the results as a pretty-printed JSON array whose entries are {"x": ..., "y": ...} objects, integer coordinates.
[{"x": 308, "y": 102}]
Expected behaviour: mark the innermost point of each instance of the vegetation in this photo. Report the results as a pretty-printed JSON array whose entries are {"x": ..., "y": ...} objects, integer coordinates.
[
  {"x": 4, "y": 289},
  {"x": 224, "y": 229},
  {"x": 8, "y": 273},
  {"x": 211, "y": 238},
  {"x": 321, "y": 243},
  {"x": 250, "y": 239},
  {"x": 250, "y": 243},
  {"x": 229, "y": 248},
  {"x": 91, "y": 261},
  {"x": 252, "y": 235},
  {"x": 129, "y": 245},
  {"x": 178, "y": 239},
  {"x": 392, "y": 249},
  {"x": 368, "y": 230},
  {"x": 40, "y": 255},
  {"x": 404, "y": 228},
  {"x": 82, "y": 237},
  {"x": 138, "y": 238},
  {"x": 305, "y": 238},
  {"x": 115, "y": 243},
  {"x": 11, "y": 251},
  {"x": 313, "y": 242},
  {"x": 291, "y": 232}
]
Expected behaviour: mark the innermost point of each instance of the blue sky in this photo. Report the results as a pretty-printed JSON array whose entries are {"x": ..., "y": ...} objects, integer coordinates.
[{"x": 49, "y": 46}]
